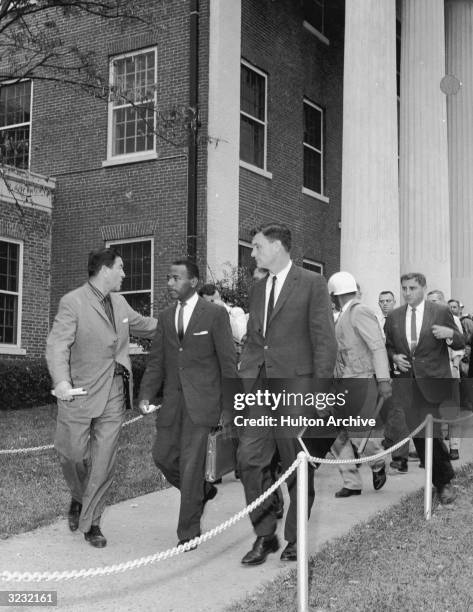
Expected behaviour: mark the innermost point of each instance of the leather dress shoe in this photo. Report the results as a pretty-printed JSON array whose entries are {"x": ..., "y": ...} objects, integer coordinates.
[
  {"x": 182, "y": 542},
  {"x": 290, "y": 552},
  {"x": 454, "y": 454},
  {"x": 447, "y": 493},
  {"x": 379, "y": 479},
  {"x": 210, "y": 493},
  {"x": 95, "y": 537},
  {"x": 399, "y": 464},
  {"x": 74, "y": 514},
  {"x": 344, "y": 492},
  {"x": 262, "y": 546}
]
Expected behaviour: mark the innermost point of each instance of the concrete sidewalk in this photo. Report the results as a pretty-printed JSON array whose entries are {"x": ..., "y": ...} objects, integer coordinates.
[{"x": 207, "y": 579}]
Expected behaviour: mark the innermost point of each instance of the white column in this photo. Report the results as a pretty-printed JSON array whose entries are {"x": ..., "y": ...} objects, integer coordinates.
[
  {"x": 223, "y": 151},
  {"x": 370, "y": 212},
  {"x": 423, "y": 167},
  {"x": 459, "y": 41}
]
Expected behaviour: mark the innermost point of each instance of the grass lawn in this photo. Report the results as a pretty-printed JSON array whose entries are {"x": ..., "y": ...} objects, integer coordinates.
[
  {"x": 395, "y": 562},
  {"x": 32, "y": 488}
]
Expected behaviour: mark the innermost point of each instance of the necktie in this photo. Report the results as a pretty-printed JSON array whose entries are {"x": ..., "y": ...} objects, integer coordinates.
[
  {"x": 107, "y": 305},
  {"x": 180, "y": 321},
  {"x": 413, "y": 330},
  {"x": 269, "y": 312}
]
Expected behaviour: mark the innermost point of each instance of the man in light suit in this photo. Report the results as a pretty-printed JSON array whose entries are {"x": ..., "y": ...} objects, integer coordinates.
[
  {"x": 88, "y": 348},
  {"x": 418, "y": 336},
  {"x": 362, "y": 367},
  {"x": 291, "y": 336},
  {"x": 191, "y": 354}
]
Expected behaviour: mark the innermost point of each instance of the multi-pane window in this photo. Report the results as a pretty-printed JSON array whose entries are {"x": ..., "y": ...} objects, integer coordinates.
[
  {"x": 15, "y": 120},
  {"x": 253, "y": 120},
  {"x": 10, "y": 290},
  {"x": 314, "y": 14},
  {"x": 132, "y": 108},
  {"x": 137, "y": 285},
  {"x": 313, "y": 148}
]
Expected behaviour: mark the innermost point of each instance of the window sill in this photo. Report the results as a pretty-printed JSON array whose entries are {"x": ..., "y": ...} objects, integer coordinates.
[
  {"x": 129, "y": 159},
  {"x": 5, "y": 349},
  {"x": 315, "y": 32},
  {"x": 315, "y": 195},
  {"x": 256, "y": 170}
]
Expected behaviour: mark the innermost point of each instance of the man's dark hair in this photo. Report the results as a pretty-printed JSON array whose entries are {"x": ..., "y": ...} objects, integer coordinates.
[
  {"x": 101, "y": 257},
  {"x": 191, "y": 267},
  {"x": 417, "y": 276},
  {"x": 384, "y": 293},
  {"x": 275, "y": 231},
  {"x": 208, "y": 289},
  {"x": 454, "y": 300}
]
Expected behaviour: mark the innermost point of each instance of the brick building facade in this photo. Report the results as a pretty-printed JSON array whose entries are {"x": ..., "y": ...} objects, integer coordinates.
[{"x": 117, "y": 182}]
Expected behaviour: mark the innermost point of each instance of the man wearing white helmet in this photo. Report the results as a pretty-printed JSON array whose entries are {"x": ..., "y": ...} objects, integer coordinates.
[{"x": 362, "y": 356}]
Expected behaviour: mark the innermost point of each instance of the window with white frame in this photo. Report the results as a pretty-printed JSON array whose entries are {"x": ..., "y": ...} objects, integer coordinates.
[
  {"x": 137, "y": 287},
  {"x": 15, "y": 123},
  {"x": 244, "y": 256},
  {"x": 11, "y": 255},
  {"x": 253, "y": 116},
  {"x": 314, "y": 14},
  {"x": 313, "y": 148},
  {"x": 132, "y": 106},
  {"x": 314, "y": 266}
]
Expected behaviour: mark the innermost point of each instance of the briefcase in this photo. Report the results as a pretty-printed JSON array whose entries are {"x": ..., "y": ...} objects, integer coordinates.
[{"x": 221, "y": 455}]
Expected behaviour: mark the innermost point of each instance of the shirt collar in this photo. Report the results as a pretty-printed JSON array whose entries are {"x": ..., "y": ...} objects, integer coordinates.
[
  {"x": 192, "y": 301},
  {"x": 419, "y": 308},
  {"x": 97, "y": 292},
  {"x": 282, "y": 274}
]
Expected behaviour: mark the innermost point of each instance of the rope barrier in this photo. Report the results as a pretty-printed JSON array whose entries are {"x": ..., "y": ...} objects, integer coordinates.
[
  {"x": 32, "y": 449},
  {"x": 7, "y": 576},
  {"x": 388, "y": 451}
]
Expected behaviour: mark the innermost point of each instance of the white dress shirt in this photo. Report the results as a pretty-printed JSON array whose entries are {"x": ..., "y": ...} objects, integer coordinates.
[
  {"x": 188, "y": 310},
  {"x": 280, "y": 278}
]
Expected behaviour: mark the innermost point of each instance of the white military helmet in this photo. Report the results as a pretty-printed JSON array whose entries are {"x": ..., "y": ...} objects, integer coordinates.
[{"x": 341, "y": 283}]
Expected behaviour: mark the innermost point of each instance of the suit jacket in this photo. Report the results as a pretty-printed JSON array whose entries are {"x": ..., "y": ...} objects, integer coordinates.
[
  {"x": 300, "y": 338},
  {"x": 361, "y": 348},
  {"x": 194, "y": 367},
  {"x": 430, "y": 359},
  {"x": 83, "y": 347}
]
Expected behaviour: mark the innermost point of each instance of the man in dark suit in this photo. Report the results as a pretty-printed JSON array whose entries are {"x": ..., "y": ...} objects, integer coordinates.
[
  {"x": 418, "y": 336},
  {"x": 290, "y": 336},
  {"x": 88, "y": 347},
  {"x": 192, "y": 352}
]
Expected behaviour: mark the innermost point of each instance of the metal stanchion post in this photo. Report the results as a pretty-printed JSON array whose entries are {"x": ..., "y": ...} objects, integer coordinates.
[
  {"x": 302, "y": 533},
  {"x": 429, "y": 442}
]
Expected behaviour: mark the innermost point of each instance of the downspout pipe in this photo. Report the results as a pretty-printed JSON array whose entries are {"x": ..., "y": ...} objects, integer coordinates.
[{"x": 193, "y": 131}]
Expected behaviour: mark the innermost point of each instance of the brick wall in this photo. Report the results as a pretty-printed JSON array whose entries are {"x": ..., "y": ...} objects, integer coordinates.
[
  {"x": 70, "y": 142},
  {"x": 32, "y": 228},
  {"x": 298, "y": 65}
]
